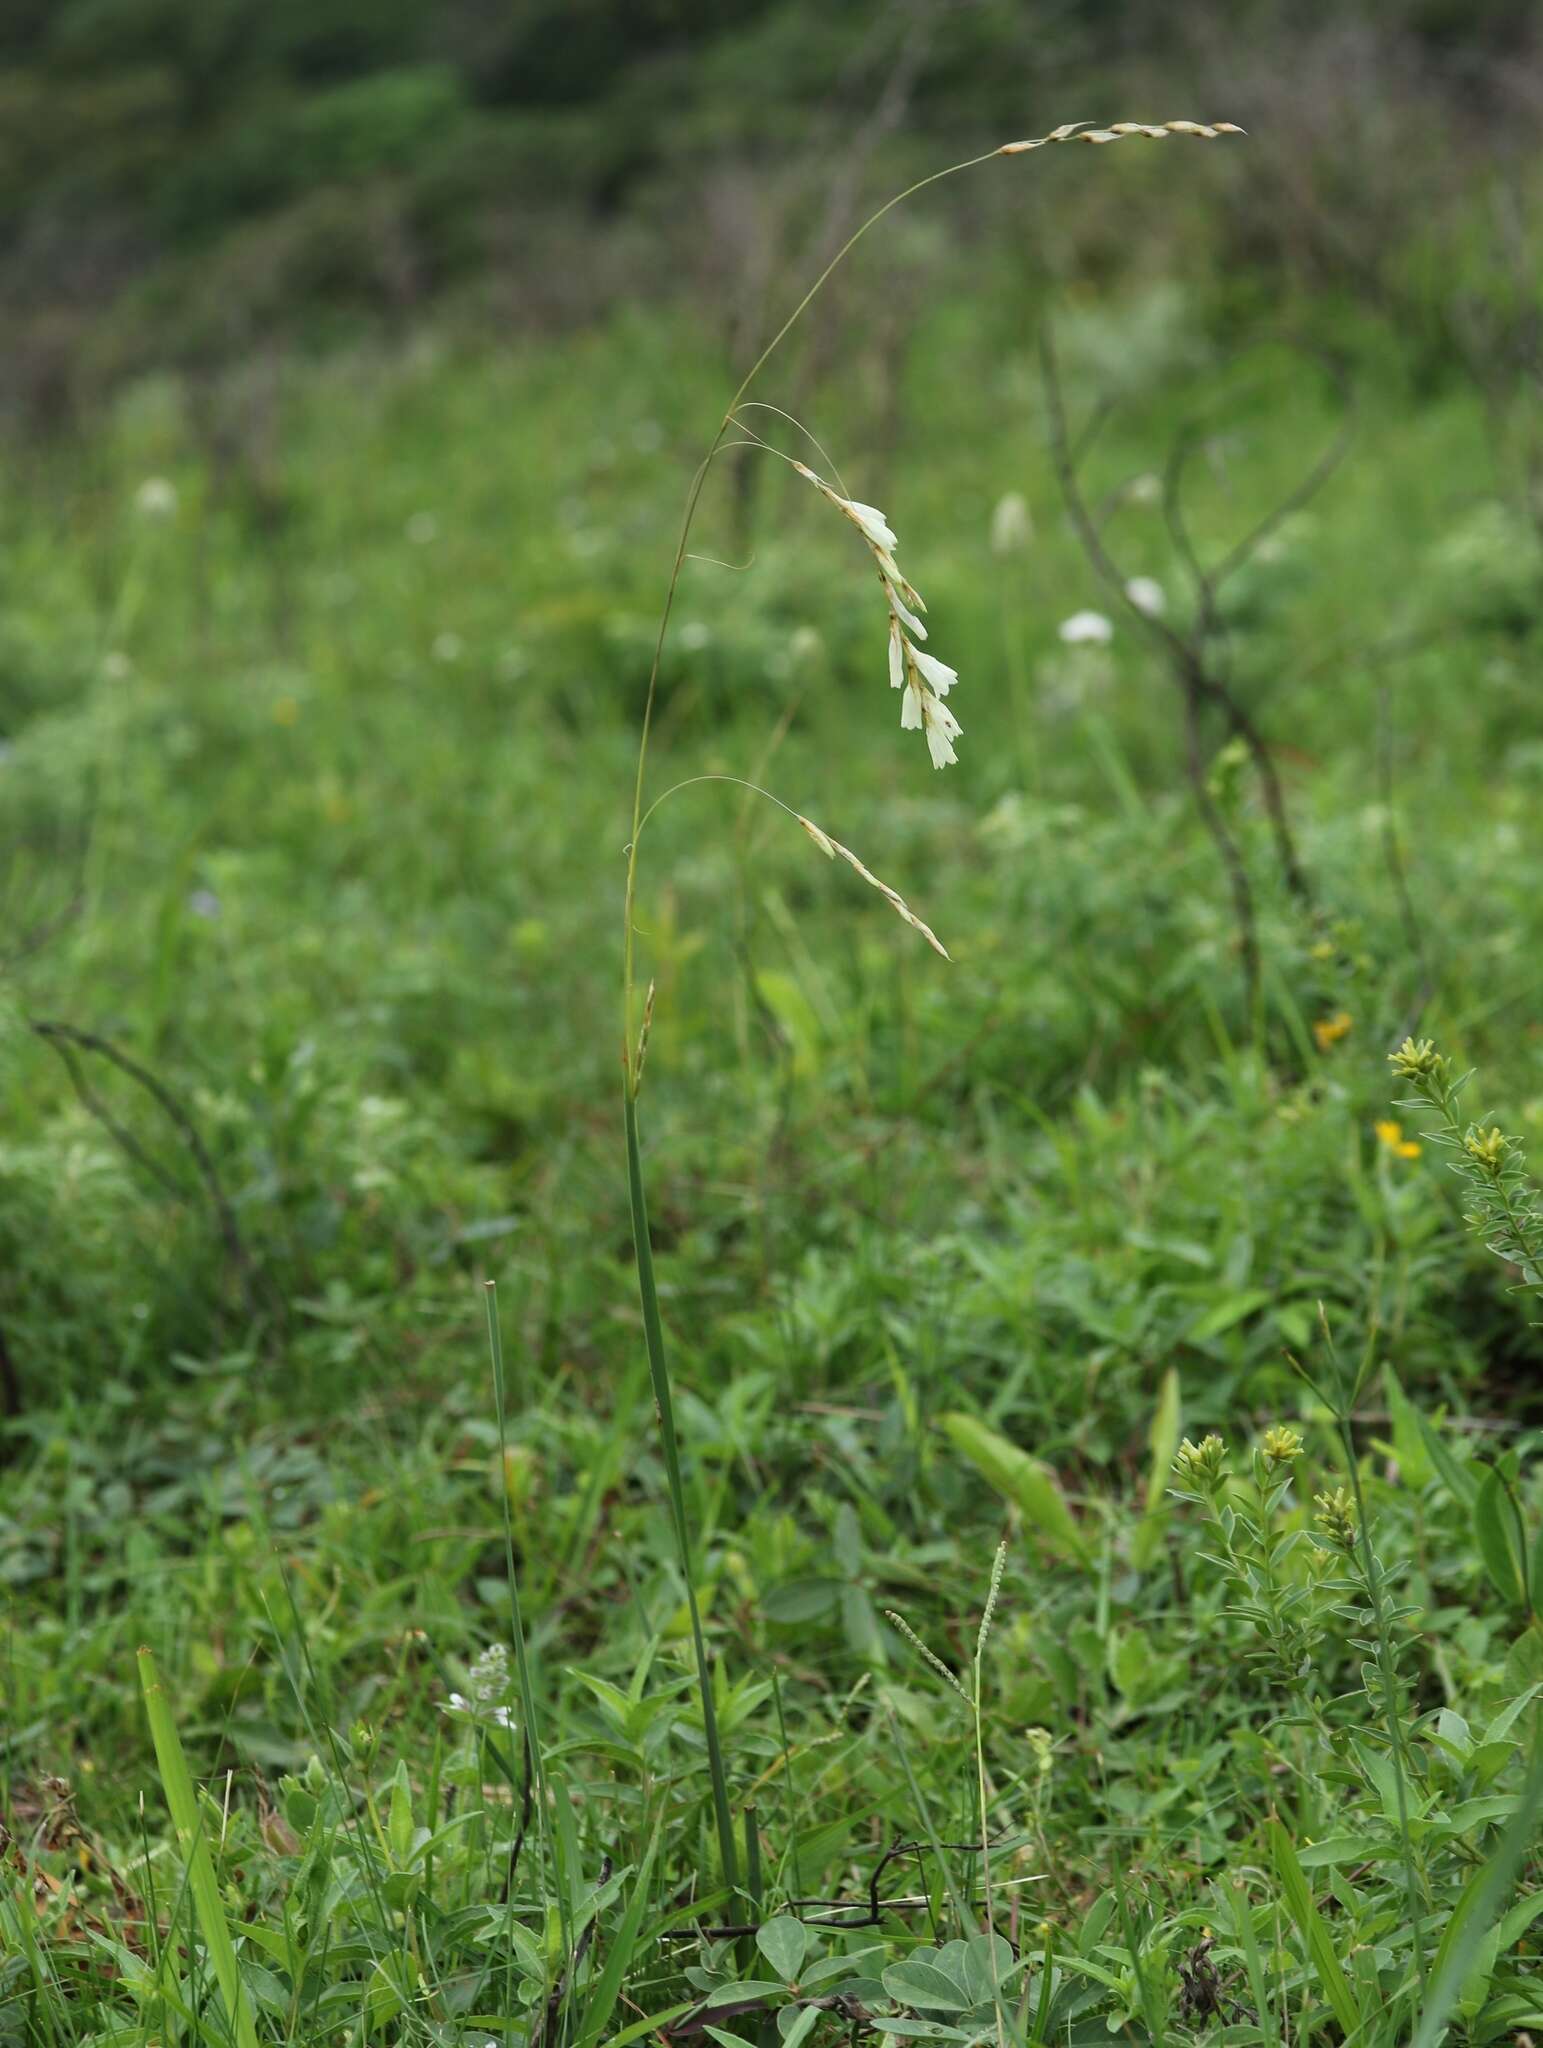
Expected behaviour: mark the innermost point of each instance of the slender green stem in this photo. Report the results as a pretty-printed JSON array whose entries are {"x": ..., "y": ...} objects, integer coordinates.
[
  {"x": 659, "y": 1372},
  {"x": 516, "y": 1619}
]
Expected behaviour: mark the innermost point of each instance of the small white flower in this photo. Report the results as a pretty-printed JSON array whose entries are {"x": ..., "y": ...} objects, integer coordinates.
[
  {"x": 907, "y": 618},
  {"x": 1086, "y": 628},
  {"x": 1146, "y": 489},
  {"x": 490, "y": 1684},
  {"x": 156, "y": 498},
  {"x": 1147, "y": 595},
  {"x": 448, "y": 646},
  {"x": 921, "y": 711},
  {"x": 116, "y": 665},
  {"x": 896, "y": 654},
  {"x": 875, "y": 528},
  {"x": 204, "y": 903},
  {"x": 937, "y": 673},
  {"x": 695, "y": 635},
  {"x": 1011, "y": 527}
]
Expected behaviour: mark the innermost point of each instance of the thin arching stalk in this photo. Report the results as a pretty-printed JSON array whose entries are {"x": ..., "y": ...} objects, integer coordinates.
[{"x": 633, "y": 1047}]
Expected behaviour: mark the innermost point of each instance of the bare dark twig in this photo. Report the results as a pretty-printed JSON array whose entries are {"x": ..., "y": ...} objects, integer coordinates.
[
  {"x": 871, "y": 1915},
  {"x": 68, "y": 1041},
  {"x": 1184, "y": 663}
]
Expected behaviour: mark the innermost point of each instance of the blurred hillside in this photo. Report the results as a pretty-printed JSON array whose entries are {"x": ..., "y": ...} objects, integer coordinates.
[{"x": 182, "y": 181}]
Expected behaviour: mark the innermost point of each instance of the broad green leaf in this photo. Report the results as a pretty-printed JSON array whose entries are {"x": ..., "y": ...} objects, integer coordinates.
[
  {"x": 795, "y": 1015},
  {"x": 1524, "y": 1660},
  {"x": 1315, "y": 1935},
  {"x": 1416, "y": 1467},
  {"x": 1510, "y": 1714},
  {"x": 1030, "y": 1485},
  {"x": 926, "y": 2030},
  {"x": 799, "y": 1600},
  {"x": 1227, "y": 1314},
  {"x": 1337, "y": 1849},
  {"x": 784, "y": 1941},
  {"x": 1496, "y": 1531},
  {"x": 923, "y": 1984},
  {"x": 796, "y": 2026},
  {"x": 987, "y": 1964},
  {"x": 1458, "y": 1476}
]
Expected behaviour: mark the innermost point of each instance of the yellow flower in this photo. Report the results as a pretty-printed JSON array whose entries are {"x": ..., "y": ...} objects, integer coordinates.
[
  {"x": 1487, "y": 1149},
  {"x": 286, "y": 711},
  {"x": 1417, "y": 1061},
  {"x": 1330, "y": 1030},
  {"x": 1392, "y": 1136},
  {"x": 1336, "y": 1518}
]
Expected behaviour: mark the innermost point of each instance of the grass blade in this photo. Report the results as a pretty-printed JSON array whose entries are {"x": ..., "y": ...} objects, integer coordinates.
[
  {"x": 1315, "y": 1935},
  {"x": 202, "y": 1882}
]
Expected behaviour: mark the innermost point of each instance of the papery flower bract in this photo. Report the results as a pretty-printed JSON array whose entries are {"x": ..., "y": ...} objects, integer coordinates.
[
  {"x": 870, "y": 521},
  {"x": 907, "y": 618},
  {"x": 1147, "y": 595},
  {"x": 936, "y": 673},
  {"x": 1086, "y": 628},
  {"x": 1011, "y": 527},
  {"x": 156, "y": 498}
]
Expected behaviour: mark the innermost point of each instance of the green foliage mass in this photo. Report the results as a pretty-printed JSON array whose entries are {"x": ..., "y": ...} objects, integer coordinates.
[{"x": 318, "y": 693}]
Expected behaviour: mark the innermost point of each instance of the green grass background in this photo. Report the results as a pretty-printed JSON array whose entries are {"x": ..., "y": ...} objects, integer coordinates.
[{"x": 315, "y": 794}]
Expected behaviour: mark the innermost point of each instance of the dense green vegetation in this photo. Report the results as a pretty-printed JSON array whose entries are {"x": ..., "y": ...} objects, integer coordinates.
[{"x": 319, "y": 687}]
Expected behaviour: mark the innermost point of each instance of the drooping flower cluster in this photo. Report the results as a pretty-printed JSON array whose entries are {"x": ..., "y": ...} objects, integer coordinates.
[{"x": 924, "y": 680}]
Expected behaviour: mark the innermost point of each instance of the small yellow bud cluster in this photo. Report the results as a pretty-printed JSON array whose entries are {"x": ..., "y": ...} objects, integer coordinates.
[
  {"x": 1488, "y": 1149},
  {"x": 1282, "y": 1445},
  {"x": 1041, "y": 1746},
  {"x": 1418, "y": 1060},
  {"x": 1202, "y": 1465},
  {"x": 1336, "y": 1518}
]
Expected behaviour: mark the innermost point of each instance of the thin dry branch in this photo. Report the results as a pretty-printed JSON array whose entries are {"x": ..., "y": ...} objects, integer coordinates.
[
  {"x": 69, "y": 1041},
  {"x": 1183, "y": 663}
]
